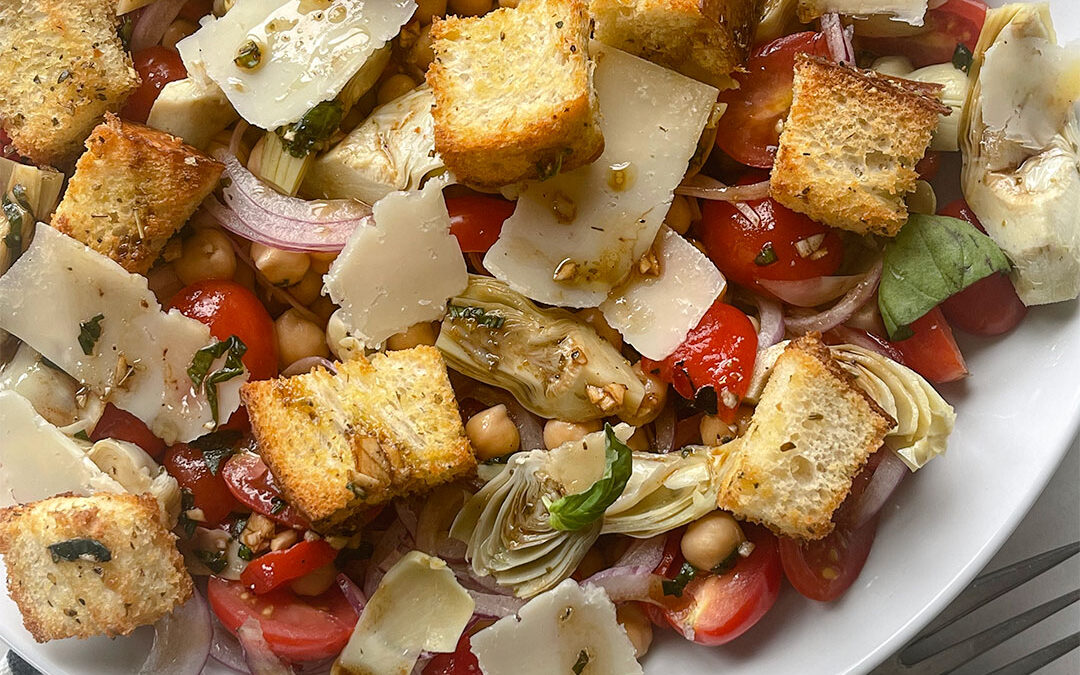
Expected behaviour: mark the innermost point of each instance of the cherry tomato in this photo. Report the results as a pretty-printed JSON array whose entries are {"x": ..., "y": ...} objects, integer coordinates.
[
  {"x": 275, "y": 568},
  {"x": 298, "y": 629},
  {"x": 931, "y": 351},
  {"x": 717, "y": 608},
  {"x": 955, "y": 22},
  {"x": 250, "y": 481},
  {"x": 716, "y": 359},
  {"x": 459, "y": 662},
  {"x": 122, "y": 425},
  {"x": 193, "y": 10},
  {"x": 751, "y": 128},
  {"x": 746, "y": 251},
  {"x": 157, "y": 66},
  {"x": 929, "y": 165},
  {"x": 989, "y": 306},
  {"x": 476, "y": 220},
  {"x": 187, "y": 465},
  {"x": 7, "y": 150}
]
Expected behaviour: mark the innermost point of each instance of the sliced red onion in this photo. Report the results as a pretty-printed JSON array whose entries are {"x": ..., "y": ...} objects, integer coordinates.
[
  {"x": 811, "y": 292},
  {"x": 664, "y": 428},
  {"x": 153, "y": 21},
  {"x": 352, "y": 592},
  {"x": 307, "y": 364},
  {"x": 390, "y": 548},
  {"x": 838, "y": 41},
  {"x": 226, "y": 649},
  {"x": 623, "y": 584},
  {"x": 770, "y": 322},
  {"x": 643, "y": 553},
  {"x": 496, "y": 606},
  {"x": 255, "y": 211},
  {"x": 260, "y": 659},
  {"x": 842, "y": 310},
  {"x": 182, "y": 640},
  {"x": 434, "y": 521},
  {"x": 868, "y": 341},
  {"x": 529, "y": 427},
  {"x": 472, "y": 582},
  {"x": 887, "y": 477},
  {"x": 705, "y": 187},
  {"x": 407, "y": 515}
]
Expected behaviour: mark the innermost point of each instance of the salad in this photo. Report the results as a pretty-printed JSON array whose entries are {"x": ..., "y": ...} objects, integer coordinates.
[{"x": 449, "y": 337}]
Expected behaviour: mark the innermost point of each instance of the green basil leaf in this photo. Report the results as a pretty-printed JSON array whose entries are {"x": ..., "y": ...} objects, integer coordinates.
[
  {"x": 676, "y": 586},
  {"x": 199, "y": 371},
  {"x": 90, "y": 550},
  {"x": 576, "y": 511},
  {"x": 90, "y": 333},
  {"x": 931, "y": 259},
  {"x": 307, "y": 134}
]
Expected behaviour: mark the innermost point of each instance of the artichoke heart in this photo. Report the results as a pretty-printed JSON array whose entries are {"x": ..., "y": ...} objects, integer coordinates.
[
  {"x": 664, "y": 492},
  {"x": 1020, "y": 135},
  {"x": 553, "y": 363}
]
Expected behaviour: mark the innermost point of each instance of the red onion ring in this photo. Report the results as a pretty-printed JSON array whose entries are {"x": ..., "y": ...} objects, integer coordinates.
[
  {"x": 407, "y": 515},
  {"x": 664, "y": 428},
  {"x": 770, "y": 322},
  {"x": 352, "y": 593},
  {"x": 529, "y": 427},
  {"x": 842, "y": 310},
  {"x": 646, "y": 553},
  {"x": 887, "y": 477},
  {"x": 495, "y": 606},
  {"x": 182, "y": 640},
  {"x": 153, "y": 21},
  {"x": 307, "y": 364},
  {"x": 624, "y": 584},
  {"x": 810, "y": 292},
  {"x": 837, "y": 39},
  {"x": 260, "y": 659},
  {"x": 704, "y": 187},
  {"x": 226, "y": 648}
]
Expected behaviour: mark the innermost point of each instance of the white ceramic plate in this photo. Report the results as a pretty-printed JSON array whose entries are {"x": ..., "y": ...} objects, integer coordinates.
[{"x": 1016, "y": 416}]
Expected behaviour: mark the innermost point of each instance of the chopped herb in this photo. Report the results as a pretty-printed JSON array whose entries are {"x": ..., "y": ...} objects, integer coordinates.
[
  {"x": 19, "y": 215},
  {"x": 727, "y": 563},
  {"x": 215, "y": 561},
  {"x": 90, "y": 550},
  {"x": 582, "y": 661},
  {"x": 217, "y": 447},
  {"x": 90, "y": 333},
  {"x": 64, "y": 75},
  {"x": 705, "y": 399},
  {"x": 357, "y": 491},
  {"x": 573, "y": 512},
  {"x": 249, "y": 56},
  {"x": 675, "y": 586},
  {"x": 767, "y": 256},
  {"x": 245, "y": 553},
  {"x": 199, "y": 370},
  {"x": 82, "y": 435},
  {"x": 550, "y": 168},
  {"x": 962, "y": 57},
  {"x": 277, "y": 505},
  {"x": 187, "y": 501},
  {"x": 498, "y": 460},
  {"x": 558, "y": 24},
  {"x": 238, "y": 525},
  {"x": 307, "y": 134},
  {"x": 477, "y": 314},
  {"x": 127, "y": 28}
]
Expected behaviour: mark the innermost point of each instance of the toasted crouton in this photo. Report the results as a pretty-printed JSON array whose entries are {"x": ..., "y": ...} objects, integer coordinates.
[
  {"x": 811, "y": 432},
  {"x": 848, "y": 150},
  {"x": 133, "y": 188},
  {"x": 379, "y": 429},
  {"x": 703, "y": 39},
  {"x": 130, "y": 573},
  {"x": 63, "y": 66},
  {"x": 513, "y": 93}
]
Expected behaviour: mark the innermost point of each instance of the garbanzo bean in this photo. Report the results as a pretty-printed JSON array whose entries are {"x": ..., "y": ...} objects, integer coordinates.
[
  {"x": 637, "y": 626},
  {"x": 297, "y": 338},
  {"x": 679, "y": 215},
  {"x": 426, "y": 10},
  {"x": 308, "y": 289},
  {"x": 469, "y": 7},
  {"x": 423, "y": 333},
  {"x": 281, "y": 268},
  {"x": 715, "y": 431},
  {"x": 492, "y": 433},
  {"x": 206, "y": 254},
  {"x": 711, "y": 539},
  {"x": 557, "y": 432}
]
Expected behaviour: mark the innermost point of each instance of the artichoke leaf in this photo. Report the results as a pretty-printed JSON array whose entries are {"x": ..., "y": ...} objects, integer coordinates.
[{"x": 664, "y": 493}]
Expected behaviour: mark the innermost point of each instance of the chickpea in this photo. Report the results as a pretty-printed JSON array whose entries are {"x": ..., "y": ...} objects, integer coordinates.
[
  {"x": 222, "y": 7},
  {"x": 557, "y": 432},
  {"x": 321, "y": 262},
  {"x": 283, "y": 540},
  {"x": 923, "y": 199},
  {"x": 639, "y": 441},
  {"x": 207, "y": 254},
  {"x": 595, "y": 318},
  {"x": 297, "y": 338},
  {"x": 679, "y": 215},
  {"x": 308, "y": 289},
  {"x": 177, "y": 31},
  {"x": 715, "y": 431},
  {"x": 637, "y": 626},
  {"x": 281, "y": 268},
  {"x": 423, "y": 333},
  {"x": 343, "y": 346},
  {"x": 421, "y": 54},
  {"x": 492, "y": 433},
  {"x": 656, "y": 391},
  {"x": 323, "y": 307},
  {"x": 426, "y": 10},
  {"x": 394, "y": 86},
  {"x": 711, "y": 539},
  {"x": 469, "y": 7},
  {"x": 315, "y": 582}
]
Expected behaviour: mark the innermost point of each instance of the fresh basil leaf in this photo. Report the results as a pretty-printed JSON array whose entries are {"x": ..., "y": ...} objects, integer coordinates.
[
  {"x": 277, "y": 505},
  {"x": 931, "y": 259},
  {"x": 962, "y": 57},
  {"x": 573, "y": 512},
  {"x": 307, "y": 134},
  {"x": 82, "y": 435},
  {"x": 217, "y": 447},
  {"x": 215, "y": 561},
  {"x": 90, "y": 550},
  {"x": 90, "y": 333},
  {"x": 245, "y": 553},
  {"x": 676, "y": 586},
  {"x": 233, "y": 350},
  {"x": 766, "y": 256}
]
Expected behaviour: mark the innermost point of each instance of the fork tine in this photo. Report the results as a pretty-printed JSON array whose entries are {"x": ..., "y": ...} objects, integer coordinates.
[
  {"x": 964, "y": 650},
  {"x": 1040, "y": 658},
  {"x": 994, "y": 584}
]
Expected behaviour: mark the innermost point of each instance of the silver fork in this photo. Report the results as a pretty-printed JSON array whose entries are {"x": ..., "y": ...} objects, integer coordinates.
[{"x": 943, "y": 648}]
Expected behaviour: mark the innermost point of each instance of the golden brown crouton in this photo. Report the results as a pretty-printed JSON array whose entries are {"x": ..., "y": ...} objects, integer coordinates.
[
  {"x": 811, "y": 432},
  {"x": 133, "y": 188},
  {"x": 848, "y": 150},
  {"x": 84, "y": 566},
  {"x": 379, "y": 429},
  {"x": 62, "y": 66},
  {"x": 513, "y": 93},
  {"x": 703, "y": 39}
]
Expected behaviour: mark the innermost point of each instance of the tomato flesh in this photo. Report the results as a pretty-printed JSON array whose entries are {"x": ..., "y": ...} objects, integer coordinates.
[
  {"x": 275, "y": 568},
  {"x": 122, "y": 425},
  {"x": 157, "y": 66},
  {"x": 297, "y": 629},
  {"x": 193, "y": 10},
  {"x": 248, "y": 479},
  {"x": 931, "y": 351},
  {"x": 955, "y": 22},
  {"x": 188, "y": 466},
  {"x": 461, "y": 661},
  {"x": 477, "y": 220}
]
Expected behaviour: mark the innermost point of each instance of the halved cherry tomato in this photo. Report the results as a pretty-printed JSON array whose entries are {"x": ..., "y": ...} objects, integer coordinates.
[
  {"x": 989, "y": 306},
  {"x": 929, "y": 165},
  {"x": 716, "y": 360},
  {"x": 717, "y": 608},
  {"x": 187, "y": 465},
  {"x": 931, "y": 351},
  {"x": 459, "y": 662},
  {"x": 298, "y": 629},
  {"x": 122, "y": 425},
  {"x": 750, "y": 130},
  {"x": 747, "y": 249},
  {"x": 275, "y": 568},
  {"x": 250, "y": 481},
  {"x": 955, "y": 22},
  {"x": 157, "y": 66},
  {"x": 7, "y": 150},
  {"x": 476, "y": 220},
  {"x": 193, "y": 10}
]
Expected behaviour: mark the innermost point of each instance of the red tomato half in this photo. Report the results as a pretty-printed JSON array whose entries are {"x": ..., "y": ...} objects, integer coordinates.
[
  {"x": 459, "y": 662},
  {"x": 750, "y": 131},
  {"x": 187, "y": 465},
  {"x": 275, "y": 568},
  {"x": 715, "y": 609},
  {"x": 931, "y": 351},
  {"x": 298, "y": 629},
  {"x": 718, "y": 354},
  {"x": 764, "y": 247},
  {"x": 157, "y": 66},
  {"x": 476, "y": 220},
  {"x": 248, "y": 479},
  {"x": 955, "y": 22},
  {"x": 7, "y": 150},
  {"x": 122, "y": 425},
  {"x": 989, "y": 306}
]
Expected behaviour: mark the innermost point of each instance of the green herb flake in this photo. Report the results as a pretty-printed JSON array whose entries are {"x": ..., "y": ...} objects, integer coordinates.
[
  {"x": 90, "y": 333},
  {"x": 245, "y": 553},
  {"x": 962, "y": 57},
  {"x": 477, "y": 314},
  {"x": 215, "y": 561},
  {"x": 675, "y": 587},
  {"x": 217, "y": 447},
  {"x": 187, "y": 501},
  {"x": 82, "y": 435},
  {"x": 238, "y": 525},
  {"x": 249, "y": 56},
  {"x": 90, "y": 550},
  {"x": 19, "y": 215},
  {"x": 277, "y": 505},
  {"x": 767, "y": 256},
  {"x": 311, "y": 131},
  {"x": 582, "y": 661},
  {"x": 727, "y": 564},
  {"x": 199, "y": 370},
  {"x": 573, "y": 512}
]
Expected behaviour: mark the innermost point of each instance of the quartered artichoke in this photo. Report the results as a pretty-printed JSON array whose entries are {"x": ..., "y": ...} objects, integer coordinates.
[
  {"x": 664, "y": 492},
  {"x": 553, "y": 363},
  {"x": 55, "y": 395},
  {"x": 1020, "y": 137}
]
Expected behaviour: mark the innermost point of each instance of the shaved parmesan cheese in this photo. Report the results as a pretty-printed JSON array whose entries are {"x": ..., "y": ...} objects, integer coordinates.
[
  {"x": 655, "y": 310},
  {"x": 399, "y": 271},
  {"x": 418, "y": 606},
  {"x": 38, "y": 461},
  {"x": 51, "y": 297},
  {"x": 195, "y": 111},
  {"x": 908, "y": 11},
  {"x": 575, "y": 237},
  {"x": 557, "y": 632},
  {"x": 307, "y": 52}
]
